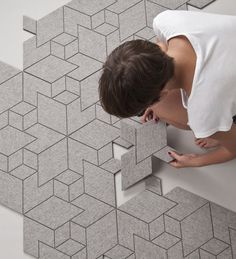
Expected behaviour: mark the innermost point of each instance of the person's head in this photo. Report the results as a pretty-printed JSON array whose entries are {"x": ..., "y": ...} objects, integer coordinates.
[{"x": 133, "y": 77}]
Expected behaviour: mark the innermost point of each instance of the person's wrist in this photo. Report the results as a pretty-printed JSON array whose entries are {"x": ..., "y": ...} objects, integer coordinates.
[{"x": 197, "y": 161}]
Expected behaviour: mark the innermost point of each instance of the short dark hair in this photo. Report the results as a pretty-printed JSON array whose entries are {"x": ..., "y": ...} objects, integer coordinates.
[{"x": 133, "y": 76}]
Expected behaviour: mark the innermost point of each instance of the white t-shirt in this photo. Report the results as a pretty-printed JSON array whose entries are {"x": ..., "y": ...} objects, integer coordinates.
[{"x": 212, "y": 102}]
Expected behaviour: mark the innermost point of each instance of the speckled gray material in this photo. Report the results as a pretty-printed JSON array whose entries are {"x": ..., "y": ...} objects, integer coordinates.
[{"x": 57, "y": 166}]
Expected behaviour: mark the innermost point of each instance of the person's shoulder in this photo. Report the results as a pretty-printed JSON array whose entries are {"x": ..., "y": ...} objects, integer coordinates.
[{"x": 165, "y": 15}]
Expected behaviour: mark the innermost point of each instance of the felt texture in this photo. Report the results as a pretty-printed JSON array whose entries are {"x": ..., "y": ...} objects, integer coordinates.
[{"x": 57, "y": 166}]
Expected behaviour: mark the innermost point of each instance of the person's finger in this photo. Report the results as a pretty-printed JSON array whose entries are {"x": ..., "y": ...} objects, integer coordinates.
[
  {"x": 174, "y": 154},
  {"x": 155, "y": 117},
  {"x": 174, "y": 163}
]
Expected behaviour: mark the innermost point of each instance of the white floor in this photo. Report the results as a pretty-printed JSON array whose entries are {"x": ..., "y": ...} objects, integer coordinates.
[{"x": 216, "y": 183}]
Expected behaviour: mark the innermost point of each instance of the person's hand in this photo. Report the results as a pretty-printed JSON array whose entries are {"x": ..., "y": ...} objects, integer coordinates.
[
  {"x": 149, "y": 114},
  {"x": 182, "y": 160}
]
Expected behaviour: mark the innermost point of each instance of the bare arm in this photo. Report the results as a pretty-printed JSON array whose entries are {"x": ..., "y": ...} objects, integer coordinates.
[{"x": 225, "y": 152}]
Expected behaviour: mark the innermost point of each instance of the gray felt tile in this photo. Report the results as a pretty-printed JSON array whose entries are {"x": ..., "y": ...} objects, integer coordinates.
[
  {"x": 232, "y": 239},
  {"x": 95, "y": 47},
  {"x": 22, "y": 172},
  {"x": 105, "y": 153},
  {"x": 214, "y": 246},
  {"x": 99, "y": 183},
  {"x": 170, "y": 4},
  {"x": 76, "y": 117},
  {"x": 87, "y": 66},
  {"x": 132, "y": 20},
  {"x": 128, "y": 130},
  {"x": 32, "y": 53},
  {"x": 147, "y": 206},
  {"x": 153, "y": 10},
  {"x": 165, "y": 240},
  {"x": 33, "y": 194},
  {"x": 194, "y": 255},
  {"x": 105, "y": 29},
  {"x": 94, "y": 136},
  {"x": 172, "y": 226},
  {"x": 91, "y": 7},
  {"x": 72, "y": 85},
  {"x": 128, "y": 226},
  {"x": 52, "y": 161},
  {"x": 205, "y": 255},
  {"x": 121, "y": 142},
  {"x": 10, "y": 192},
  {"x": 68, "y": 177},
  {"x": 57, "y": 118},
  {"x": 66, "y": 97},
  {"x": 102, "y": 115},
  {"x": 64, "y": 39},
  {"x": 131, "y": 172},
  {"x": 89, "y": 90},
  {"x": 77, "y": 152},
  {"x": 11, "y": 92},
  {"x": 200, "y": 4},
  {"x": 156, "y": 227},
  {"x": 163, "y": 154},
  {"x": 29, "y": 24},
  {"x": 98, "y": 19},
  {"x": 49, "y": 26},
  {"x": 33, "y": 233},
  {"x": 102, "y": 235},
  {"x": 32, "y": 86},
  {"x": 93, "y": 210},
  {"x": 50, "y": 68},
  {"x": 222, "y": 218},
  {"x": 121, "y": 5},
  {"x": 57, "y": 162},
  {"x": 118, "y": 252},
  {"x": 70, "y": 247},
  {"x": 176, "y": 252},
  {"x": 153, "y": 183},
  {"x": 146, "y": 33},
  {"x": 111, "y": 17},
  {"x": 48, "y": 252},
  {"x": 226, "y": 254},
  {"x": 147, "y": 249},
  {"x": 77, "y": 233},
  {"x": 187, "y": 203},
  {"x": 45, "y": 138},
  {"x": 62, "y": 234},
  {"x": 68, "y": 192},
  {"x": 201, "y": 229},
  {"x": 151, "y": 137},
  {"x": 72, "y": 18},
  {"x": 53, "y": 218},
  {"x": 22, "y": 108},
  {"x": 7, "y": 71},
  {"x": 12, "y": 139},
  {"x": 112, "y": 165}
]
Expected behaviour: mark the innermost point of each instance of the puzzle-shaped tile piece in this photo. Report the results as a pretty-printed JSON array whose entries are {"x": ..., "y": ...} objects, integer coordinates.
[
  {"x": 49, "y": 26},
  {"x": 149, "y": 139},
  {"x": 163, "y": 154},
  {"x": 29, "y": 24}
]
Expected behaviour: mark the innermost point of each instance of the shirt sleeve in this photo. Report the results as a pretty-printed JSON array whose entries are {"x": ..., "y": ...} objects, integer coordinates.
[{"x": 157, "y": 25}]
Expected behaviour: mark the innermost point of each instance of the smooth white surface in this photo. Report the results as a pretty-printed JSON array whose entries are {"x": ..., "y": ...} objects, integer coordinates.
[{"x": 216, "y": 183}]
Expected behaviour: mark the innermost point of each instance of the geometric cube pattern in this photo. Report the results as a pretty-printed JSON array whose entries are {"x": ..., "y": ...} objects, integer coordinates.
[{"x": 57, "y": 166}]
